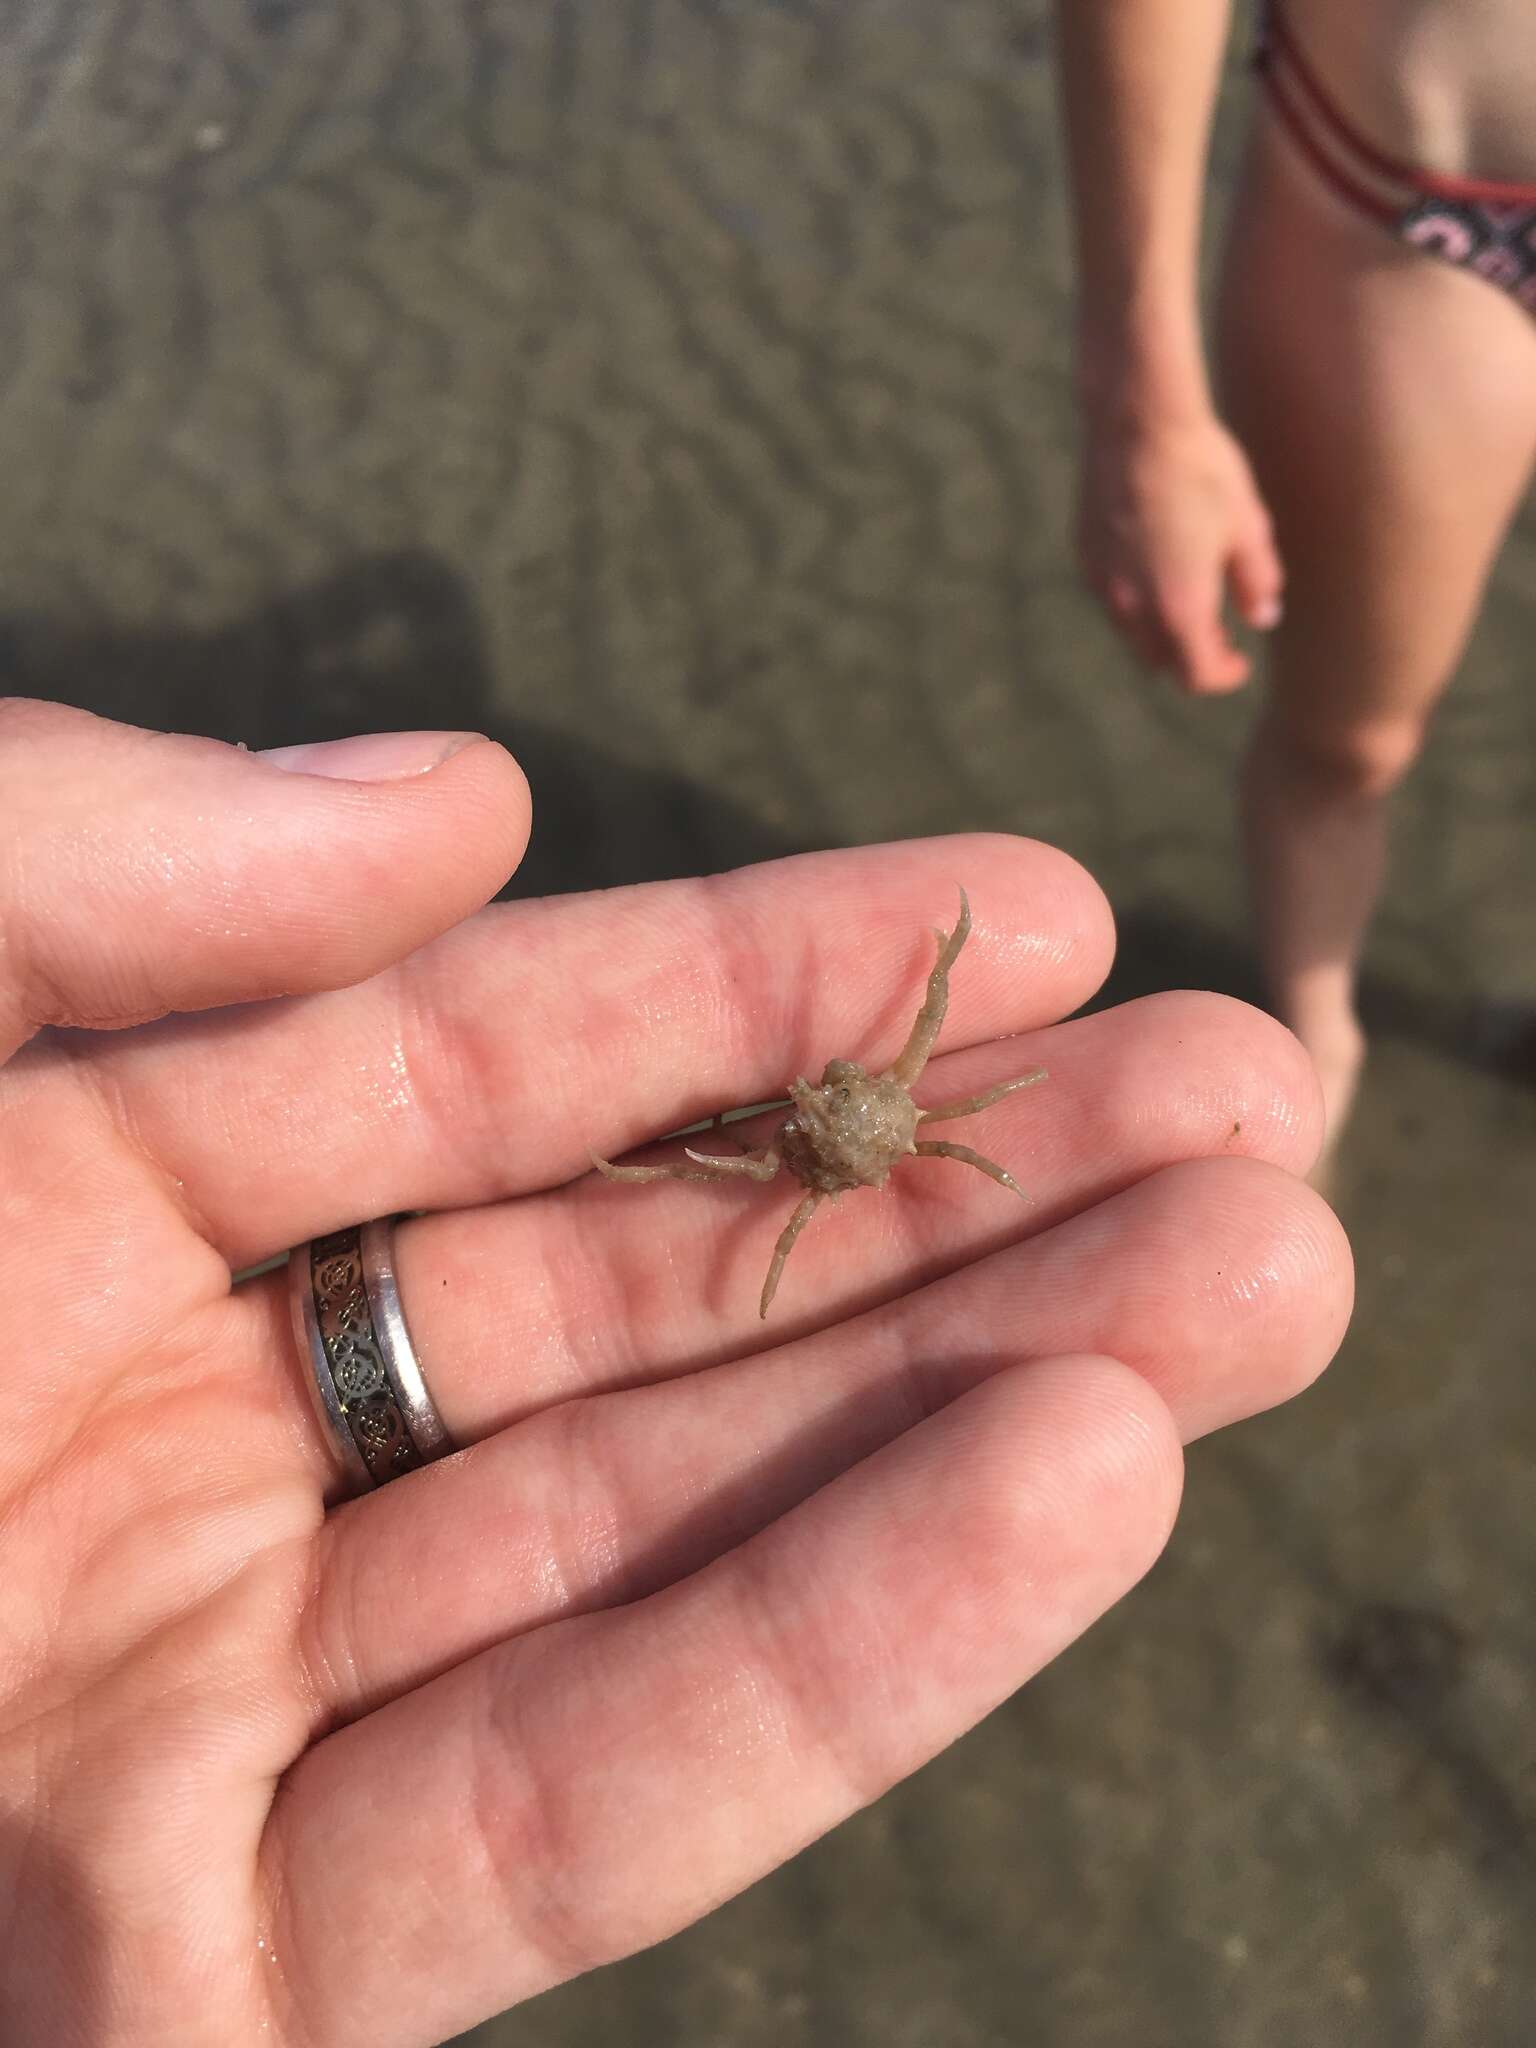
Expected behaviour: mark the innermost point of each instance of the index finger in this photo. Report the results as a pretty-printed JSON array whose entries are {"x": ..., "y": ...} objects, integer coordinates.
[
  {"x": 1201, "y": 652},
  {"x": 491, "y": 1062}
]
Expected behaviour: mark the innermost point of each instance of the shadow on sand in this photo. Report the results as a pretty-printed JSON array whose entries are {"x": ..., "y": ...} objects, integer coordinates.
[
  {"x": 391, "y": 643},
  {"x": 394, "y": 641}
]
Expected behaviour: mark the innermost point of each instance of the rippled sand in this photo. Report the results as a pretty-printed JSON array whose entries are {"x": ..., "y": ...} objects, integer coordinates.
[{"x": 680, "y": 392}]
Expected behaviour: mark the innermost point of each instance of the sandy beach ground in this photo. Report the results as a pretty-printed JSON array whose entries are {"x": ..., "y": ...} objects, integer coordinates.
[{"x": 680, "y": 393}]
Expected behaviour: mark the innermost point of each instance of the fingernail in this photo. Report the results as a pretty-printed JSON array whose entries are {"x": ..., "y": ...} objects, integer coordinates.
[
  {"x": 1267, "y": 614},
  {"x": 371, "y": 756}
]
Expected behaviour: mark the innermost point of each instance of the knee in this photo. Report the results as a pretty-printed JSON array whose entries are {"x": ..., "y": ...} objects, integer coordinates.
[{"x": 1366, "y": 758}]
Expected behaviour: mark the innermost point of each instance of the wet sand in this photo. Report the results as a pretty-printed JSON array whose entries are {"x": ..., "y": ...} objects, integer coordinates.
[{"x": 680, "y": 393}]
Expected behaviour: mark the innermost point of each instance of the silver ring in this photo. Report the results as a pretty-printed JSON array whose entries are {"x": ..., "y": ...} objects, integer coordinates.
[{"x": 367, "y": 1385}]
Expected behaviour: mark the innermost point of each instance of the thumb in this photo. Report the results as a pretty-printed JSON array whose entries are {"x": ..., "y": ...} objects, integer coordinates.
[
  {"x": 143, "y": 872},
  {"x": 1257, "y": 579}
]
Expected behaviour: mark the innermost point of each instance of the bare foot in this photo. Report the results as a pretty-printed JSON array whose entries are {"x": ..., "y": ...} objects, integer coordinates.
[{"x": 1338, "y": 1053}]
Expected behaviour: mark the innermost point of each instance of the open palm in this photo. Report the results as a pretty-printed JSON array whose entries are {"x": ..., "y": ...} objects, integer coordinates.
[{"x": 276, "y": 1767}]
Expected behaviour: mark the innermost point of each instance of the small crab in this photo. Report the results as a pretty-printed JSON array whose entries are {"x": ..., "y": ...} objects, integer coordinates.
[{"x": 850, "y": 1131}]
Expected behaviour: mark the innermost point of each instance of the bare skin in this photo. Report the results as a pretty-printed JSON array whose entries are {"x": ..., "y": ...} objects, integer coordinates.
[
  {"x": 1390, "y": 512},
  {"x": 854, "y": 1127},
  {"x": 279, "y": 1771},
  {"x": 1448, "y": 85},
  {"x": 1376, "y": 432}
]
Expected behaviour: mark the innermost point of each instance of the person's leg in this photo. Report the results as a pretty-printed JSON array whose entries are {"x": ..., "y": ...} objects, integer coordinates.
[{"x": 1388, "y": 405}]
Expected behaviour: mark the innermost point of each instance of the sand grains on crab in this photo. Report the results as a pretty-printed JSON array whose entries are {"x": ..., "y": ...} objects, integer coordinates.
[{"x": 853, "y": 1127}]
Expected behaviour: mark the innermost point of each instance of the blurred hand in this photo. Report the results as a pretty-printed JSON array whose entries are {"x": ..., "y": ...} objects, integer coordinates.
[
  {"x": 694, "y": 1590},
  {"x": 1170, "y": 524}
]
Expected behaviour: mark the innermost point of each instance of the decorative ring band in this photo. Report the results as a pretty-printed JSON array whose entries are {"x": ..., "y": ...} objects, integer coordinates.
[{"x": 368, "y": 1389}]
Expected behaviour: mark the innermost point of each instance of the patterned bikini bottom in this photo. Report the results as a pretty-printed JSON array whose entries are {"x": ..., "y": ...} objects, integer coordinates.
[{"x": 1478, "y": 224}]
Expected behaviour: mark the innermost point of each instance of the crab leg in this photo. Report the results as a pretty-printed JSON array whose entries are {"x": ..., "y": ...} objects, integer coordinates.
[
  {"x": 943, "y": 1111},
  {"x": 703, "y": 1168},
  {"x": 930, "y": 1018},
  {"x": 937, "y": 1149},
  {"x": 805, "y": 1209},
  {"x": 746, "y": 1165}
]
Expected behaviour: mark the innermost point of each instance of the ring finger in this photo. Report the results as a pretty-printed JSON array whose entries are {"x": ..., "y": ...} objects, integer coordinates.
[{"x": 1224, "y": 1283}]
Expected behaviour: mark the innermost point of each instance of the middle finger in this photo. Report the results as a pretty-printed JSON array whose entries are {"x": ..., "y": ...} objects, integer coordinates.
[{"x": 591, "y": 1287}]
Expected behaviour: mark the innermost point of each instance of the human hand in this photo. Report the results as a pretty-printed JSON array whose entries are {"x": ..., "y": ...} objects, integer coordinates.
[
  {"x": 1170, "y": 522},
  {"x": 696, "y": 1589}
]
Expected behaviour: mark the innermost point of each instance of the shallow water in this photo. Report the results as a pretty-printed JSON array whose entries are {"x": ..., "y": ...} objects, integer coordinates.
[{"x": 679, "y": 391}]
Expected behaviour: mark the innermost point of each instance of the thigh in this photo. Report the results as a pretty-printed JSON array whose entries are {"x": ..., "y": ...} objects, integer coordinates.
[{"x": 1388, "y": 405}]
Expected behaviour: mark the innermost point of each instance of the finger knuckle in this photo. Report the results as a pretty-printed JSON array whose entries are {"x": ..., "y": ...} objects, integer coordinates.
[{"x": 1180, "y": 608}]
